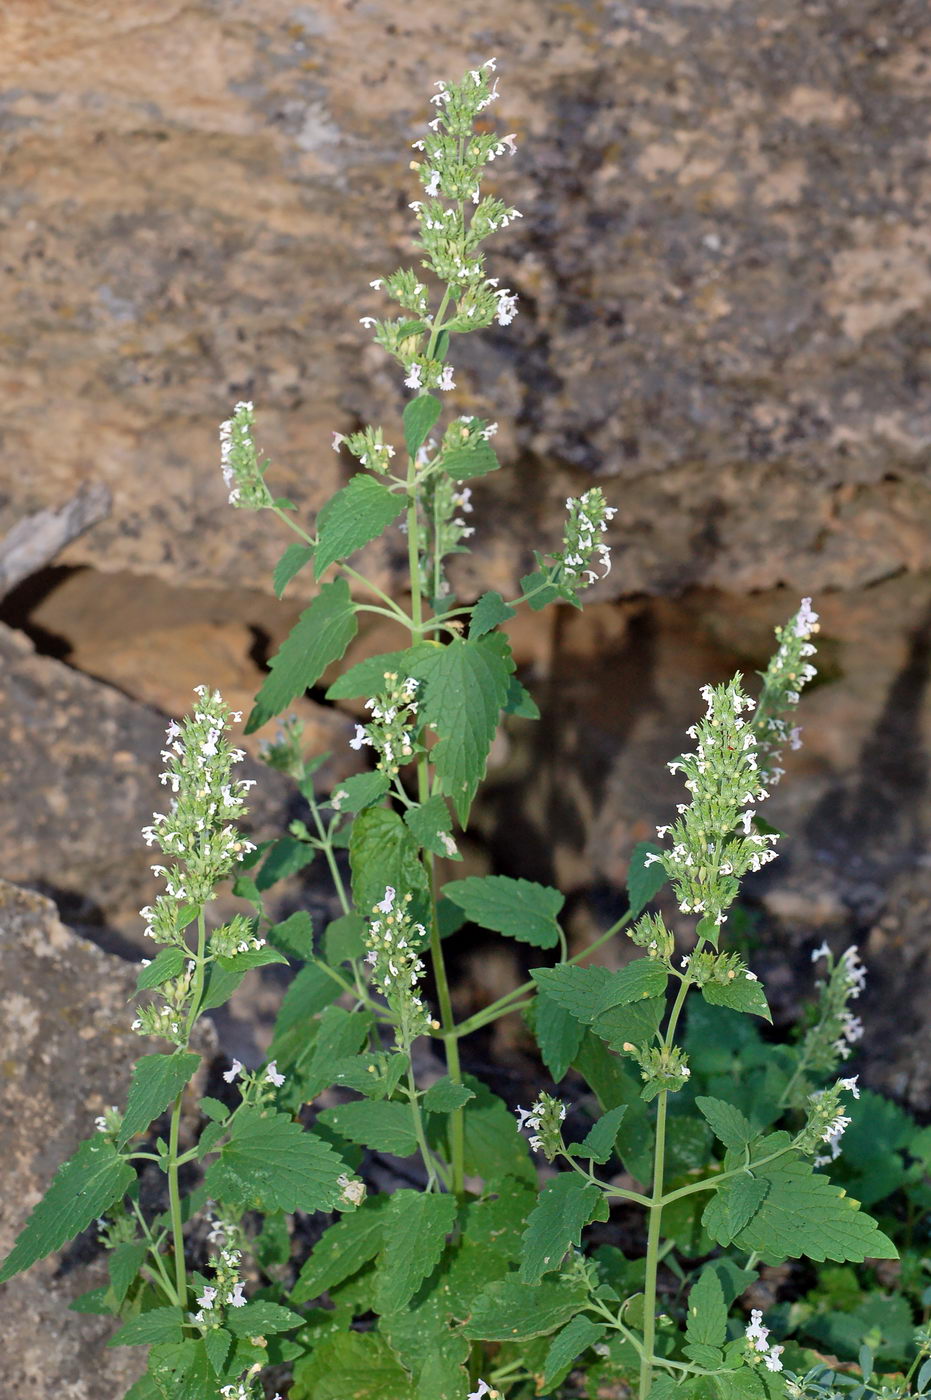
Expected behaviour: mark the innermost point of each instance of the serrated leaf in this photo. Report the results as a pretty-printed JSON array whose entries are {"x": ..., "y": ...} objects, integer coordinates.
[
  {"x": 462, "y": 463},
  {"x": 295, "y": 557},
  {"x": 644, "y": 881},
  {"x": 743, "y": 994},
  {"x": 577, "y": 990},
  {"x": 123, "y": 1264},
  {"x": 638, "y": 981},
  {"x": 82, "y": 1189},
  {"x": 733, "y": 1206},
  {"x": 362, "y": 790},
  {"x": 285, "y": 857},
  {"x": 804, "y": 1214},
  {"x": 511, "y": 1311},
  {"x": 465, "y": 686},
  {"x": 418, "y": 418},
  {"x": 262, "y": 1318},
  {"x": 214, "y": 1109},
  {"x": 566, "y": 1205},
  {"x": 217, "y": 1341},
  {"x": 445, "y": 1096},
  {"x": 383, "y": 852},
  {"x": 427, "y": 821},
  {"x": 559, "y": 1035},
  {"x": 520, "y": 702},
  {"x": 169, "y": 963},
  {"x": 727, "y": 1122},
  {"x": 252, "y": 957},
  {"x": 312, "y": 989},
  {"x": 598, "y": 1144},
  {"x": 342, "y": 939},
  {"x": 519, "y": 909},
  {"x": 493, "y": 1145},
  {"x": 416, "y": 1226},
  {"x": 271, "y": 1163},
  {"x": 367, "y": 677},
  {"x": 294, "y": 935},
  {"x": 542, "y": 590},
  {"x": 487, "y": 613},
  {"x": 707, "y": 1314},
  {"x": 339, "y": 1033},
  {"x": 320, "y": 636},
  {"x": 352, "y": 1366},
  {"x": 182, "y": 1370},
  {"x": 580, "y": 1334},
  {"x": 635, "y": 1023},
  {"x": 354, "y": 516},
  {"x": 93, "y": 1301},
  {"x": 150, "y": 1328},
  {"x": 344, "y": 1249},
  {"x": 386, "y": 1127}
]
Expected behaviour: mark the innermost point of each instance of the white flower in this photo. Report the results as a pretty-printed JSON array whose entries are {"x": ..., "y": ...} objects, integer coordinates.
[
  {"x": 367, "y": 321},
  {"x": 756, "y": 1333},
  {"x": 233, "y": 1071},
  {"x": 206, "y": 1298},
  {"x": 360, "y": 739},
  {"x": 237, "y": 1299},
  {"x": 446, "y": 378},
  {"x": 772, "y": 1361},
  {"x": 851, "y": 1085},
  {"x": 387, "y": 904},
  {"x": 272, "y": 1076},
  {"x": 483, "y": 1389},
  {"x": 822, "y": 952},
  {"x": 433, "y": 188},
  {"x": 414, "y": 376}
]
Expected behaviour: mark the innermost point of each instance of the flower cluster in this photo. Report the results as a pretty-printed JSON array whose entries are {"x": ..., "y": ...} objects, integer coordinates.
[
  {"x": 545, "y": 1116},
  {"x": 284, "y": 753},
  {"x": 788, "y": 671},
  {"x": 368, "y": 446},
  {"x": 242, "y": 471},
  {"x": 254, "y": 1082},
  {"x": 758, "y": 1343},
  {"x": 827, "y": 1120},
  {"x": 835, "y": 1029},
  {"x": 226, "y": 1291},
  {"x": 168, "y": 1020},
  {"x": 582, "y": 546},
  {"x": 722, "y": 968},
  {"x": 197, "y": 831},
  {"x": 651, "y": 933},
  {"x": 714, "y": 841},
  {"x": 394, "y": 720},
  {"x": 662, "y": 1067},
  {"x": 392, "y": 941},
  {"x": 238, "y": 936}
]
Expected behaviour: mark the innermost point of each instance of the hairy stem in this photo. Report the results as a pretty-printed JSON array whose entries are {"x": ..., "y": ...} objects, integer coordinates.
[{"x": 653, "y": 1239}]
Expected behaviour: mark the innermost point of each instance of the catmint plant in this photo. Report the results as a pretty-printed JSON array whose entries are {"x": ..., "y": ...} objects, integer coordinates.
[{"x": 477, "y": 1275}]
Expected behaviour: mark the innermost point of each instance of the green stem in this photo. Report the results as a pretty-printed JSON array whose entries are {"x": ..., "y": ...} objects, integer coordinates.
[
  {"x": 653, "y": 1240},
  {"x": 326, "y": 846},
  {"x": 417, "y": 1117},
  {"x": 394, "y": 611},
  {"x": 174, "y": 1199},
  {"x": 157, "y": 1260},
  {"x": 711, "y": 1183}
]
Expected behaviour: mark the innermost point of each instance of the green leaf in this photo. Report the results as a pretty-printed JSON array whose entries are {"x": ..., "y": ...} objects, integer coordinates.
[
  {"x": 362, "y": 790},
  {"x": 418, "y": 418},
  {"x": 461, "y": 463},
  {"x": 543, "y": 592},
  {"x": 644, "y": 881},
  {"x": 614, "y": 1085},
  {"x": 83, "y": 1187},
  {"x": 354, "y": 516},
  {"x": 517, "y": 908},
  {"x": 559, "y": 1035},
  {"x": 295, "y": 557},
  {"x": 599, "y": 1142},
  {"x": 294, "y": 935},
  {"x": 638, "y": 981},
  {"x": 493, "y": 1145},
  {"x": 312, "y": 989},
  {"x": 217, "y": 1343},
  {"x": 182, "y": 1370},
  {"x": 386, "y": 1127},
  {"x": 577, "y": 1336},
  {"x": 252, "y": 957},
  {"x": 342, "y": 939},
  {"x": 339, "y": 1033},
  {"x": 416, "y": 1226},
  {"x": 707, "y": 1315},
  {"x": 427, "y": 821},
  {"x": 320, "y": 636},
  {"x": 157, "y": 1081},
  {"x": 352, "y": 1366},
  {"x": 733, "y": 1206},
  {"x": 487, "y": 613},
  {"x": 383, "y": 852},
  {"x": 214, "y": 1109},
  {"x": 566, "y": 1205},
  {"x": 262, "y": 1318},
  {"x": 803, "y": 1214},
  {"x": 743, "y": 994},
  {"x": 123, "y": 1264},
  {"x": 286, "y": 857},
  {"x": 93, "y": 1301},
  {"x": 445, "y": 1096},
  {"x": 727, "y": 1122},
  {"x": 169, "y": 963},
  {"x": 465, "y": 687},
  {"x": 271, "y": 1163},
  {"x": 635, "y": 1023},
  {"x": 367, "y": 677},
  {"x": 511, "y": 1311},
  {"x": 150, "y": 1328},
  {"x": 577, "y": 990},
  {"x": 520, "y": 702},
  {"x": 344, "y": 1249}
]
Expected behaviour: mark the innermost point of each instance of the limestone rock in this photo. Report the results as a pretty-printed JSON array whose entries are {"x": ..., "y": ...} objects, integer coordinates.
[{"x": 723, "y": 269}]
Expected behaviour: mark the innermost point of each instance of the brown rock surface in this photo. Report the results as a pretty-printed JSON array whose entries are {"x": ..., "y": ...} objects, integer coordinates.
[
  {"x": 66, "y": 1055},
  {"x": 724, "y": 272}
]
